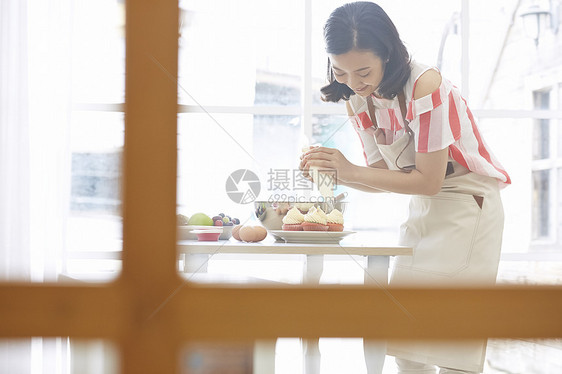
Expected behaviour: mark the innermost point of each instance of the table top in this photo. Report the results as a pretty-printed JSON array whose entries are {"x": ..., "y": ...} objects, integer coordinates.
[{"x": 354, "y": 245}]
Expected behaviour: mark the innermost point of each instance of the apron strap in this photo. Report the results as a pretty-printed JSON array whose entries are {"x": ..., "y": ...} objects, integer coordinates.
[
  {"x": 371, "y": 108},
  {"x": 401, "y": 102}
]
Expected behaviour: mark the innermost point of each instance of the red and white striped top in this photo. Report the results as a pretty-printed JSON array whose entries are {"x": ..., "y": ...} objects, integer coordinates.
[{"x": 440, "y": 120}]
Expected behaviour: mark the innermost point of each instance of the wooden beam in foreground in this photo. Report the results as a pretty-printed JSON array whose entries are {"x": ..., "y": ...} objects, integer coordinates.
[{"x": 227, "y": 313}]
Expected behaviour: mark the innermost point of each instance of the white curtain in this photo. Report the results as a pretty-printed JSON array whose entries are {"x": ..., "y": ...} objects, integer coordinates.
[
  {"x": 35, "y": 168},
  {"x": 35, "y": 61},
  {"x": 14, "y": 143},
  {"x": 50, "y": 62},
  {"x": 15, "y": 355},
  {"x": 34, "y": 160}
]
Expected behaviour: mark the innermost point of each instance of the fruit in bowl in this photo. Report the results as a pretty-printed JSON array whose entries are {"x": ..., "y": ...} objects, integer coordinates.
[
  {"x": 227, "y": 223},
  {"x": 224, "y": 220},
  {"x": 182, "y": 220},
  {"x": 202, "y": 221}
]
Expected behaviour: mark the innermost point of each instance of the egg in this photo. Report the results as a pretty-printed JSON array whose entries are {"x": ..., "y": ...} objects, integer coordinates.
[
  {"x": 246, "y": 233},
  {"x": 236, "y": 231},
  {"x": 252, "y": 233},
  {"x": 260, "y": 233}
]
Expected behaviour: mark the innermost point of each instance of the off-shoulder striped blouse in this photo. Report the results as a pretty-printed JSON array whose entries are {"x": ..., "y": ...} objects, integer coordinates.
[{"x": 439, "y": 120}]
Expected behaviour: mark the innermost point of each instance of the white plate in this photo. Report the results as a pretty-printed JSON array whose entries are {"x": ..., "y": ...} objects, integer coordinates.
[{"x": 310, "y": 236}]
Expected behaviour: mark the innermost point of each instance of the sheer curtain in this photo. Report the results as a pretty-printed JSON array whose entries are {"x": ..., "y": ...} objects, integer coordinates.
[
  {"x": 14, "y": 167},
  {"x": 50, "y": 63},
  {"x": 14, "y": 143},
  {"x": 34, "y": 160},
  {"x": 35, "y": 70}
]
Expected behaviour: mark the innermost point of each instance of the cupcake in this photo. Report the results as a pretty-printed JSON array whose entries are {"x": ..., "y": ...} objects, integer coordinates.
[
  {"x": 293, "y": 220},
  {"x": 315, "y": 220},
  {"x": 335, "y": 220}
]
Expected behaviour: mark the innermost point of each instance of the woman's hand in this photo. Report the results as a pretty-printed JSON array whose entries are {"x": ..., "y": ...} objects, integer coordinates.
[
  {"x": 303, "y": 167},
  {"x": 327, "y": 159}
]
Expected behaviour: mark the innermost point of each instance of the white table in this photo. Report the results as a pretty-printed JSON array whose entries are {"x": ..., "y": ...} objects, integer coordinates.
[{"x": 378, "y": 254}]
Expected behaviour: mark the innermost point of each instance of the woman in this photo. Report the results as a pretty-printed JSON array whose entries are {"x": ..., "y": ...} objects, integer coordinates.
[{"x": 419, "y": 138}]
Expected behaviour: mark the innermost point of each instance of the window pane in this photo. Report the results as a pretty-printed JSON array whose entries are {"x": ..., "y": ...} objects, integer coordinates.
[
  {"x": 209, "y": 150},
  {"x": 76, "y": 72},
  {"x": 559, "y": 122},
  {"x": 541, "y": 139},
  {"x": 492, "y": 71},
  {"x": 269, "y": 144},
  {"x": 501, "y": 134},
  {"x": 96, "y": 142},
  {"x": 541, "y": 127},
  {"x": 211, "y": 147},
  {"x": 94, "y": 225},
  {"x": 559, "y": 140},
  {"x": 98, "y": 51},
  {"x": 558, "y": 205},
  {"x": 541, "y": 204},
  {"x": 240, "y": 53},
  {"x": 505, "y": 64}
]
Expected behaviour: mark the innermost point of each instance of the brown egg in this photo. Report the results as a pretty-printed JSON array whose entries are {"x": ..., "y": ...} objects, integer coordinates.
[
  {"x": 246, "y": 233},
  {"x": 252, "y": 233},
  {"x": 236, "y": 232},
  {"x": 260, "y": 233}
]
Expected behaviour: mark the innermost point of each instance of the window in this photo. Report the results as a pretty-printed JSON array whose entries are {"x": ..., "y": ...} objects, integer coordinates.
[
  {"x": 546, "y": 171},
  {"x": 269, "y": 69},
  {"x": 97, "y": 52},
  {"x": 249, "y": 97}
]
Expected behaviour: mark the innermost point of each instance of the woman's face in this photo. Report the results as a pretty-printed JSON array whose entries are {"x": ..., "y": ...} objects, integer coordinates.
[{"x": 360, "y": 70}]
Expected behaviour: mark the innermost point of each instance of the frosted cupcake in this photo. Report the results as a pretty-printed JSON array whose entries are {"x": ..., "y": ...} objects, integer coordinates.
[
  {"x": 335, "y": 220},
  {"x": 315, "y": 220},
  {"x": 293, "y": 220}
]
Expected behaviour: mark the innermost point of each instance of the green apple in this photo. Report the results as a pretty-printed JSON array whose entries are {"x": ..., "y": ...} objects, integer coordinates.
[{"x": 200, "y": 219}]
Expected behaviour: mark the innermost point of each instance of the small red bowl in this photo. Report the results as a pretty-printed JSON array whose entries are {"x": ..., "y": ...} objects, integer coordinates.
[
  {"x": 208, "y": 236},
  {"x": 211, "y": 235}
]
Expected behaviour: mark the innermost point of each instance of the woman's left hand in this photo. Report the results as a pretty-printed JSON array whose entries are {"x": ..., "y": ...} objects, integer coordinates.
[{"x": 328, "y": 159}]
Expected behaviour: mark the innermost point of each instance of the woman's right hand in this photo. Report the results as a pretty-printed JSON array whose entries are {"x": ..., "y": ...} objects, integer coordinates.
[{"x": 302, "y": 166}]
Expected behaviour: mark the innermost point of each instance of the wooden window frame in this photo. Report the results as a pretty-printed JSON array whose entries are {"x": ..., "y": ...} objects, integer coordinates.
[{"x": 149, "y": 312}]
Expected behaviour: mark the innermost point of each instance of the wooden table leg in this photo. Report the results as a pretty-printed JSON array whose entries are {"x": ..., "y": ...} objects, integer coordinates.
[
  {"x": 375, "y": 350},
  {"x": 264, "y": 356}
]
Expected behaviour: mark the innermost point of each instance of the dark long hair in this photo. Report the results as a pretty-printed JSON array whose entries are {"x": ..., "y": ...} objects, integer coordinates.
[{"x": 365, "y": 26}]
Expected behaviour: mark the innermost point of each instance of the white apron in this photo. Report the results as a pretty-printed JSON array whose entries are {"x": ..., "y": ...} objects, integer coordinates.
[{"x": 456, "y": 236}]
